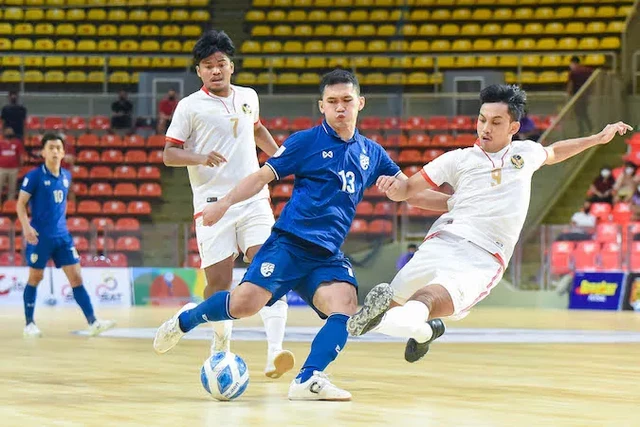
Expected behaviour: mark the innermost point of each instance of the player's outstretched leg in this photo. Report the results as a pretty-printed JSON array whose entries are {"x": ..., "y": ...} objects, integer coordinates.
[
  {"x": 245, "y": 300},
  {"x": 415, "y": 350},
  {"x": 219, "y": 278},
  {"x": 96, "y": 326},
  {"x": 376, "y": 304},
  {"x": 279, "y": 361},
  {"x": 29, "y": 298}
]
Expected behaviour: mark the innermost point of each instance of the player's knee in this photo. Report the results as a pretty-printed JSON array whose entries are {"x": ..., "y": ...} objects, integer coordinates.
[
  {"x": 336, "y": 298},
  {"x": 247, "y": 300},
  {"x": 218, "y": 280},
  {"x": 35, "y": 276},
  {"x": 436, "y": 298}
]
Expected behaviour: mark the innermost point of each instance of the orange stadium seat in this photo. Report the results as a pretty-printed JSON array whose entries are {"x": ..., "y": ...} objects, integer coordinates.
[
  {"x": 125, "y": 189},
  {"x": 114, "y": 207},
  {"x": 118, "y": 259},
  {"x": 611, "y": 256},
  {"x": 155, "y": 157},
  {"x": 100, "y": 189},
  {"x": 135, "y": 157},
  {"x": 586, "y": 255},
  {"x": 607, "y": 232},
  {"x": 127, "y": 224},
  {"x": 79, "y": 189},
  {"x": 99, "y": 123},
  {"x": 139, "y": 208},
  {"x": 81, "y": 243},
  {"x": 364, "y": 208},
  {"x": 89, "y": 207},
  {"x": 79, "y": 172},
  {"x": 561, "y": 257},
  {"x": 125, "y": 173},
  {"x": 111, "y": 141},
  {"x": 76, "y": 123},
  {"x": 150, "y": 189},
  {"x": 101, "y": 172},
  {"x": 134, "y": 141},
  {"x": 102, "y": 223},
  {"x": 112, "y": 156},
  {"x": 88, "y": 140},
  {"x": 149, "y": 173},
  {"x": 600, "y": 210}
]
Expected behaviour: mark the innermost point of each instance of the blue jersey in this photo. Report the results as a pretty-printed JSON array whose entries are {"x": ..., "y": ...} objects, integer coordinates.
[
  {"x": 330, "y": 178},
  {"x": 48, "y": 201}
]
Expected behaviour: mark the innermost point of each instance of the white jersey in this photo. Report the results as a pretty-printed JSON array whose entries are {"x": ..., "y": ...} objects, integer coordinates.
[
  {"x": 491, "y": 193},
  {"x": 204, "y": 122}
]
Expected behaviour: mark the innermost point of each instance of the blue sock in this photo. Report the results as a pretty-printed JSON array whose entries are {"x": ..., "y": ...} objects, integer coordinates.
[
  {"x": 83, "y": 300},
  {"x": 213, "y": 309},
  {"x": 326, "y": 346},
  {"x": 29, "y": 298}
]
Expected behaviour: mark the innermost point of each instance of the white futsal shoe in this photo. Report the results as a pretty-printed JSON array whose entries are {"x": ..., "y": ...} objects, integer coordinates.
[
  {"x": 318, "y": 387},
  {"x": 31, "y": 331},
  {"x": 99, "y": 326},
  {"x": 220, "y": 343},
  {"x": 169, "y": 333},
  {"x": 279, "y": 363}
]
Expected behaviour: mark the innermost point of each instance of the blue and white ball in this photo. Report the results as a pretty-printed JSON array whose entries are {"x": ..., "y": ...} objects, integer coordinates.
[{"x": 225, "y": 376}]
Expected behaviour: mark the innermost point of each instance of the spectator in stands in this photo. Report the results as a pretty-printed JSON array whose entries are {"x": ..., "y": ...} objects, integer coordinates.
[
  {"x": 626, "y": 183},
  {"x": 528, "y": 129},
  {"x": 166, "y": 107},
  {"x": 14, "y": 116},
  {"x": 122, "y": 109},
  {"x": 635, "y": 204},
  {"x": 11, "y": 150},
  {"x": 582, "y": 225},
  {"x": 405, "y": 257},
  {"x": 601, "y": 189},
  {"x": 578, "y": 76}
]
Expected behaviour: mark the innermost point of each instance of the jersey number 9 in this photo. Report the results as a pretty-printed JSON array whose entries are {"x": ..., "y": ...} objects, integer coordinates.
[{"x": 58, "y": 196}]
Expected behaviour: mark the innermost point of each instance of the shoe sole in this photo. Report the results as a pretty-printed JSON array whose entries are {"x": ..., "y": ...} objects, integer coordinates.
[
  {"x": 337, "y": 399},
  {"x": 376, "y": 304},
  {"x": 283, "y": 363},
  {"x": 415, "y": 351},
  {"x": 184, "y": 308},
  {"x": 99, "y": 331}
]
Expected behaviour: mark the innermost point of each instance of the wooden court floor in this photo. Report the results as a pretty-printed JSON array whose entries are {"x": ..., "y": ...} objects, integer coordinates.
[{"x": 65, "y": 379}]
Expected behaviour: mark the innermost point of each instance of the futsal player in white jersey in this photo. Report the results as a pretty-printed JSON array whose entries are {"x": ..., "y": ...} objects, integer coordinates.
[
  {"x": 214, "y": 133},
  {"x": 468, "y": 248}
]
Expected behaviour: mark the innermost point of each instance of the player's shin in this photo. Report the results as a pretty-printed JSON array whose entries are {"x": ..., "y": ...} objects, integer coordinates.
[
  {"x": 213, "y": 309},
  {"x": 29, "y": 298},
  {"x": 275, "y": 320},
  {"x": 326, "y": 346},
  {"x": 82, "y": 298},
  {"x": 407, "y": 321}
]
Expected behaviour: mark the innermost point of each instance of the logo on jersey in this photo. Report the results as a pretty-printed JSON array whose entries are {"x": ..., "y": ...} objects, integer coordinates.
[
  {"x": 364, "y": 161},
  {"x": 33, "y": 258},
  {"x": 246, "y": 109},
  {"x": 517, "y": 161},
  {"x": 25, "y": 181},
  {"x": 47, "y": 183},
  {"x": 65, "y": 182},
  {"x": 266, "y": 269},
  {"x": 328, "y": 154}
]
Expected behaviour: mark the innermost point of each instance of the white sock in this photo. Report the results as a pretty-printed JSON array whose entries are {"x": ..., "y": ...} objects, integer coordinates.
[
  {"x": 275, "y": 320},
  {"x": 407, "y": 321},
  {"x": 222, "y": 329}
]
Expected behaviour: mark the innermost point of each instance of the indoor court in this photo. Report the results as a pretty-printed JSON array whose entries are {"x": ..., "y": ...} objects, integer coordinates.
[{"x": 497, "y": 367}]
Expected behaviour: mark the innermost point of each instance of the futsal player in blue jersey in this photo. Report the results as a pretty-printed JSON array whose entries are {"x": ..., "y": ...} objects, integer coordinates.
[
  {"x": 333, "y": 164},
  {"x": 45, "y": 189}
]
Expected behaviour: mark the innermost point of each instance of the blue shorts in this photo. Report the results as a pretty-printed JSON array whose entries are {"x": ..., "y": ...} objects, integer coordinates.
[
  {"x": 285, "y": 262},
  {"x": 60, "y": 249}
]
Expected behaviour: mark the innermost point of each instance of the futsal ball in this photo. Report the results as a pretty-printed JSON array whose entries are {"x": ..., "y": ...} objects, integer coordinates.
[{"x": 225, "y": 376}]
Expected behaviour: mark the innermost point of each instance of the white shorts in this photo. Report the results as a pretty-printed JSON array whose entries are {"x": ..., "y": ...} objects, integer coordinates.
[
  {"x": 239, "y": 229},
  {"x": 464, "y": 269}
]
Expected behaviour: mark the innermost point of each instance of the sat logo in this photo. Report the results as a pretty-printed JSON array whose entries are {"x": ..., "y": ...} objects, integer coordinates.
[{"x": 107, "y": 291}]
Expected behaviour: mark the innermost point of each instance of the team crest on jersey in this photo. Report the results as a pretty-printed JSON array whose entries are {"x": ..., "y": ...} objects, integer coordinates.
[
  {"x": 246, "y": 109},
  {"x": 517, "y": 161},
  {"x": 33, "y": 258},
  {"x": 266, "y": 269},
  {"x": 364, "y": 161},
  {"x": 65, "y": 182}
]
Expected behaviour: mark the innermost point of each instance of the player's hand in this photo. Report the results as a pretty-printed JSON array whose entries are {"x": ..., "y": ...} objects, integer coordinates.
[
  {"x": 213, "y": 159},
  {"x": 389, "y": 185},
  {"x": 610, "y": 131},
  {"x": 30, "y": 234},
  {"x": 213, "y": 212}
]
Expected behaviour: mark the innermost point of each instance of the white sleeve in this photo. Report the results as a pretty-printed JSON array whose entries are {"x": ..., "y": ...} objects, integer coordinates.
[
  {"x": 539, "y": 153},
  {"x": 256, "y": 109},
  {"x": 442, "y": 169},
  {"x": 180, "y": 127}
]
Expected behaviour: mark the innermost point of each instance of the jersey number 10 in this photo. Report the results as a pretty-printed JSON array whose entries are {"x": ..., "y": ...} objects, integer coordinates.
[
  {"x": 348, "y": 181},
  {"x": 58, "y": 196}
]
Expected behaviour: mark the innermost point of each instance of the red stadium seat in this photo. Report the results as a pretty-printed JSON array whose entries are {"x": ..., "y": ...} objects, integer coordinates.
[
  {"x": 125, "y": 189},
  {"x": 89, "y": 207},
  {"x": 100, "y": 123},
  {"x": 381, "y": 226},
  {"x": 128, "y": 244},
  {"x": 279, "y": 123},
  {"x": 376, "y": 137},
  {"x": 88, "y": 156},
  {"x": 11, "y": 259},
  {"x": 78, "y": 224},
  {"x": 193, "y": 260},
  {"x": 33, "y": 123},
  {"x": 103, "y": 243},
  {"x": 6, "y": 224},
  {"x": 88, "y": 140},
  {"x": 125, "y": 173},
  {"x": 393, "y": 155},
  {"x": 102, "y": 223},
  {"x": 396, "y": 140},
  {"x": 415, "y": 123},
  {"x": 364, "y": 209},
  {"x": 150, "y": 189},
  {"x": 114, "y": 207},
  {"x": 430, "y": 155},
  {"x": 411, "y": 170},
  {"x": 76, "y": 123},
  {"x": 621, "y": 213},
  {"x": 278, "y": 209},
  {"x": 459, "y": 123},
  {"x": 192, "y": 245},
  {"x": 301, "y": 123},
  {"x": 79, "y": 172},
  {"x": 586, "y": 254},
  {"x": 384, "y": 209},
  {"x": 111, "y": 141},
  {"x": 465, "y": 140},
  {"x": 282, "y": 191},
  {"x": 359, "y": 226},
  {"x": 608, "y": 232},
  {"x": 112, "y": 156},
  {"x": 443, "y": 140},
  {"x": 134, "y": 141},
  {"x": 419, "y": 140},
  {"x": 135, "y": 157},
  {"x": 600, "y": 210},
  {"x": 561, "y": 253},
  {"x": 149, "y": 173},
  {"x": 71, "y": 207},
  {"x": 392, "y": 123},
  {"x": 155, "y": 157},
  {"x": 81, "y": 243},
  {"x": 611, "y": 257},
  {"x": 79, "y": 189},
  {"x": 262, "y": 157},
  {"x": 634, "y": 257},
  {"x": 280, "y": 138},
  {"x": 118, "y": 260},
  {"x": 53, "y": 123},
  {"x": 127, "y": 224},
  {"x": 9, "y": 207},
  {"x": 100, "y": 189},
  {"x": 5, "y": 243},
  {"x": 101, "y": 172},
  {"x": 633, "y": 157},
  {"x": 410, "y": 156},
  {"x": 139, "y": 208},
  {"x": 370, "y": 123},
  {"x": 437, "y": 123},
  {"x": 156, "y": 141},
  {"x": 373, "y": 193}
]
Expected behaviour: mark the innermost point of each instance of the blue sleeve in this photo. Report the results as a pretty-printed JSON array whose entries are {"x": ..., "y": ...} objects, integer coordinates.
[
  {"x": 30, "y": 182},
  {"x": 289, "y": 157},
  {"x": 386, "y": 166}
]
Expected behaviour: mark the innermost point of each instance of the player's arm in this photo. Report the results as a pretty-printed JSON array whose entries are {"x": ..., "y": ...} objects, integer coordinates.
[
  {"x": 30, "y": 234},
  {"x": 400, "y": 190},
  {"x": 264, "y": 140},
  {"x": 246, "y": 188},
  {"x": 175, "y": 155},
  {"x": 563, "y": 150},
  {"x": 428, "y": 199}
]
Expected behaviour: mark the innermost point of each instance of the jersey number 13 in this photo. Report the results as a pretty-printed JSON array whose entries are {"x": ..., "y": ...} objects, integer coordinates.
[
  {"x": 58, "y": 196},
  {"x": 348, "y": 181}
]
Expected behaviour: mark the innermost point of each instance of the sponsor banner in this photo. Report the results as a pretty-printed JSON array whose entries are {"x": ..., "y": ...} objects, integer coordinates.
[
  {"x": 597, "y": 290},
  {"x": 105, "y": 286},
  {"x": 631, "y": 299},
  {"x": 12, "y": 283}
]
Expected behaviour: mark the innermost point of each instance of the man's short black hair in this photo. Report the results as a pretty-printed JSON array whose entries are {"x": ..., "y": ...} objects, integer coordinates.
[
  {"x": 512, "y": 95},
  {"x": 575, "y": 59},
  {"x": 211, "y": 42},
  {"x": 339, "y": 76},
  {"x": 412, "y": 246},
  {"x": 51, "y": 136}
]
